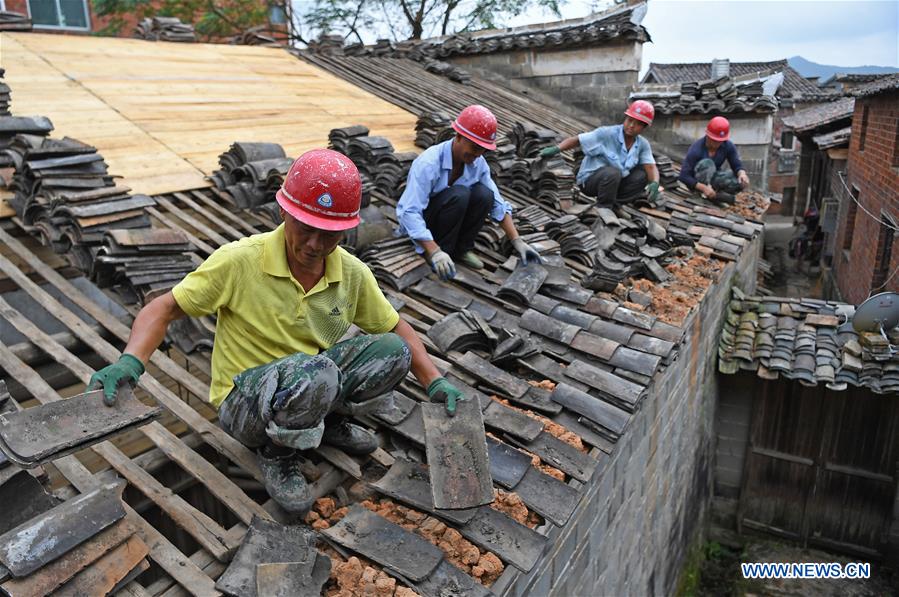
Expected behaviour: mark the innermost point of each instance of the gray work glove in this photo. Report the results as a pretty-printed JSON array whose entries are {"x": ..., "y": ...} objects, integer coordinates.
[
  {"x": 443, "y": 265},
  {"x": 548, "y": 152},
  {"x": 526, "y": 253}
]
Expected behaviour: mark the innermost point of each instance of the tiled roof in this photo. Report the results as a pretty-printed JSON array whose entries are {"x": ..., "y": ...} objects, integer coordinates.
[
  {"x": 806, "y": 340},
  {"x": 886, "y": 84},
  {"x": 821, "y": 114},
  {"x": 794, "y": 86},
  {"x": 833, "y": 139},
  {"x": 704, "y": 97}
]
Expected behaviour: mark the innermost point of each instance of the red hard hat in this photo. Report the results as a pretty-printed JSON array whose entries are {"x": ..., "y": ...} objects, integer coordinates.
[
  {"x": 718, "y": 129},
  {"x": 641, "y": 110},
  {"x": 322, "y": 189},
  {"x": 477, "y": 123}
]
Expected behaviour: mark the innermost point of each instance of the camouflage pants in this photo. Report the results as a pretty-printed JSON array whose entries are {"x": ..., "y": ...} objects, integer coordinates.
[
  {"x": 719, "y": 180},
  {"x": 285, "y": 402}
]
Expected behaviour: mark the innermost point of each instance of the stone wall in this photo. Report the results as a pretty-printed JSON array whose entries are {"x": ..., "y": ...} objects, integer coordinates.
[
  {"x": 594, "y": 81},
  {"x": 634, "y": 526}
]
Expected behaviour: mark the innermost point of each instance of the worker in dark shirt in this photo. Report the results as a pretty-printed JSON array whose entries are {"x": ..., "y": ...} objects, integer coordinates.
[{"x": 703, "y": 168}]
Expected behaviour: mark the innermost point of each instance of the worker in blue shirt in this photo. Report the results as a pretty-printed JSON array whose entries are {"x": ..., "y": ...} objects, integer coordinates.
[
  {"x": 449, "y": 194},
  {"x": 703, "y": 168},
  {"x": 618, "y": 165}
]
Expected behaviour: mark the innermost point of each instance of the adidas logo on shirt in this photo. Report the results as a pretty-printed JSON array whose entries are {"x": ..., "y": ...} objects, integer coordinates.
[{"x": 335, "y": 312}]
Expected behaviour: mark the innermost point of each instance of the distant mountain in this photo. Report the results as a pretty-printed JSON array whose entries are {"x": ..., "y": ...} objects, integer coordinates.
[{"x": 807, "y": 68}]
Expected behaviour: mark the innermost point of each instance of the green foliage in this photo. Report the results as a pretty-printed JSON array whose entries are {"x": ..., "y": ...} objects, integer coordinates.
[{"x": 211, "y": 18}]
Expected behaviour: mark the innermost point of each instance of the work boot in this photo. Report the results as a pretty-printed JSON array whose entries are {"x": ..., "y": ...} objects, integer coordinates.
[
  {"x": 283, "y": 480},
  {"x": 724, "y": 197},
  {"x": 471, "y": 260},
  {"x": 350, "y": 438}
]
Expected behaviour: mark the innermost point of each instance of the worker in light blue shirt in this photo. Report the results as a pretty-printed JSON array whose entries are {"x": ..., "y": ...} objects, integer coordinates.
[
  {"x": 618, "y": 166},
  {"x": 449, "y": 194}
]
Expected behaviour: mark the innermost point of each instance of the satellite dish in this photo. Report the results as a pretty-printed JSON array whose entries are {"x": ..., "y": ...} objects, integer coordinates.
[{"x": 879, "y": 313}]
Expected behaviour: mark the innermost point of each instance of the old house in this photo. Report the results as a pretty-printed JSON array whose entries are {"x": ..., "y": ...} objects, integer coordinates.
[
  {"x": 865, "y": 261},
  {"x": 589, "y": 64},
  {"x": 823, "y": 131}
]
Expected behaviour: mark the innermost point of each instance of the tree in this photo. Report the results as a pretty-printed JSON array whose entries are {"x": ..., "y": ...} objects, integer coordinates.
[
  {"x": 415, "y": 19},
  {"x": 212, "y": 19}
]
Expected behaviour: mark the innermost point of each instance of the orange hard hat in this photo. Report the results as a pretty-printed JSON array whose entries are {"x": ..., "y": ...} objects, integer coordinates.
[
  {"x": 718, "y": 129},
  {"x": 641, "y": 110},
  {"x": 322, "y": 189},
  {"x": 478, "y": 124}
]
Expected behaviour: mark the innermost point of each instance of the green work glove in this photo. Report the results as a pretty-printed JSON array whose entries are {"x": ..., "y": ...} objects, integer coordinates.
[
  {"x": 127, "y": 369},
  {"x": 548, "y": 152},
  {"x": 652, "y": 190},
  {"x": 440, "y": 390}
]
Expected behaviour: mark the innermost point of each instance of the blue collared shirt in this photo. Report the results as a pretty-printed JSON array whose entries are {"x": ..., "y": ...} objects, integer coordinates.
[
  {"x": 604, "y": 146},
  {"x": 430, "y": 174}
]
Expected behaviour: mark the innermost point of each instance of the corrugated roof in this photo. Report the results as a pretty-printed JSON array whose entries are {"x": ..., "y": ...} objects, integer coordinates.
[{"x": 794, "y": 85}]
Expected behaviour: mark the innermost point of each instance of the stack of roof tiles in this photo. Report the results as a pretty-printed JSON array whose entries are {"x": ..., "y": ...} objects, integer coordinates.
[
  {"x": 63, "y": 188},
  {"x": 391, "y": 172},
  {"x": 164, "y": 29},
  {"x": 255, "y": 36},
  {"x": 251, "y": 173},
  {"x": 32, "y": 128},
  {"x": 14, "y": 21},
  {"x": 365, "y": 151},
  {"x": 4, "y": 95},
  {"x": 808, "y": 340},
  {"x": 432, "y": 128},
  {"x": 143, "y": 263},
  {"x": 395, "y": 262},
  {"x": 722, "y": 95}
]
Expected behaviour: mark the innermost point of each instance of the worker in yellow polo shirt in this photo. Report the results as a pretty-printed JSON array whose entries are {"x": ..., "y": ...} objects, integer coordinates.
[{"x": 281, "y": 379}]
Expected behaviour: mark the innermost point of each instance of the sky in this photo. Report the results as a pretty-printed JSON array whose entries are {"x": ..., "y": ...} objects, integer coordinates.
[{"x": 843, "y": 33}]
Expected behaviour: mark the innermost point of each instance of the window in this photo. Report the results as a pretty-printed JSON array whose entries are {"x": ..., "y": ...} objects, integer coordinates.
[
  {"x": 59, "y": 14},
  {"x": 276, "y": 15},
  {"x": 850, "y": 220},
  {"x": 884, "y": 253},
  {"x": 864, "y": 131},
  {"x": 786, "y": 140},
  {"x": 788, "y": 194}
]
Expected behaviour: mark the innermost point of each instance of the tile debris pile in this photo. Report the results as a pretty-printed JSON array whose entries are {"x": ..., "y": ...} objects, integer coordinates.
[
  {"x": 723, "y": 95},
  {"x": 164, "y": 29},
  {"x": 807, "y": 340},
  {"x": 84, "y": 545},
  {"x": 14, "y": 21}
]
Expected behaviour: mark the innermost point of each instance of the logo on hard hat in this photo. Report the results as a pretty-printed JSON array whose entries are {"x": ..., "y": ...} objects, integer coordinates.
[{"x": 325, "y": 200}]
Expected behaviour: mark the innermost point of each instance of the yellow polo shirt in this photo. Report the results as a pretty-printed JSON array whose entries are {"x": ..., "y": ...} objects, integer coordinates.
[{"x": 264, "y": 314}]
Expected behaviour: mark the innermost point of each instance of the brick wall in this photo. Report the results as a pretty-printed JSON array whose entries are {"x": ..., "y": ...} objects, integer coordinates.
[
  {"x": 871, "y": 170},
  {"x": 593, "y": 81},
  {"x": 637, "y": 520}
]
